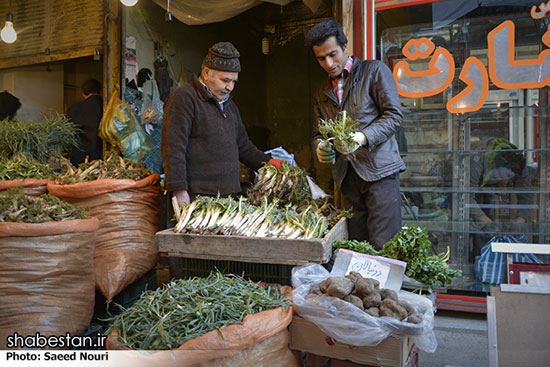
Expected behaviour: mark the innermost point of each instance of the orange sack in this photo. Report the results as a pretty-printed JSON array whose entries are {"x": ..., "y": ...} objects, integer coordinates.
[
  {"x": 46, "y": 277},
  {"x": 261, "y": 340},
  {"x": 129, "y": 217},
  {"x": 30, "y": 187}
]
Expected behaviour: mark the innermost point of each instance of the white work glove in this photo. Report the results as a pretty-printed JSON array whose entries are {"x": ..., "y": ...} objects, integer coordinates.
[{"x": 358, "y": 137}]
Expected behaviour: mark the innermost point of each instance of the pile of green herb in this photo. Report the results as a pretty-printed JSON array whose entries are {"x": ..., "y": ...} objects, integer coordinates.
[
  {"x": 188, "y": 308},
  {"x": 15, "y": 206},
  {"x": 21, "y": 167},
  {"x": 412, "y": 246},
  {"x": 113, "y": 166},
  {"x": 341, "y": 130},
  {"x": 38, "y": 139}
]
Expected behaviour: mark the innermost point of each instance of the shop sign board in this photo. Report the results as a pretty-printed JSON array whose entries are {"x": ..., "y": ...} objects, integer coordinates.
[{"x": 504, "y": 70}]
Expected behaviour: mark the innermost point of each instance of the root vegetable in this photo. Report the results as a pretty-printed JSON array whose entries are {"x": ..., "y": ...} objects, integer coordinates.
[
  {"x": 340, "y": 287},
  {"x": 372, "y": 300},
  {"x": 354, "y": 300},
  {"x": 373, "y": 311},
  {"x": 388, "y": 293}
]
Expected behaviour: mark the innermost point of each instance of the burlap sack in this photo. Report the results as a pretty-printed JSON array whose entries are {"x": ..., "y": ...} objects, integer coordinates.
[
  {"x": 261, "y": 340},
  {"x": 129, "y": 217},
  {"x": 46, "y": 277},
  {"x": 30, "y": 187}
]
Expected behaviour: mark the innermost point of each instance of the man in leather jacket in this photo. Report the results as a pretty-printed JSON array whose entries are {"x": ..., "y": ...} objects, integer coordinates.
[{"x": 368, "y": 178}]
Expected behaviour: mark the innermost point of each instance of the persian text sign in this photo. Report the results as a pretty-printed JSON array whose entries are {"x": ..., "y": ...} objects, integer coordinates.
[
  {"x": 369, "y": 268},
  {"x": 503, "y": 69}
]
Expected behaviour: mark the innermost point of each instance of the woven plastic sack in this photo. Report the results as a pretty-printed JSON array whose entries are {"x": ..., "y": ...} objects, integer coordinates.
[
  {"x": 261, "y": 340},
  {"x": 489, "y": 266},
  {"x": 30, "y": 187},
  {"x": 129, "y": 217},
  {"x": 120, "y": 128},
  {"x": 46, "y": 277}
]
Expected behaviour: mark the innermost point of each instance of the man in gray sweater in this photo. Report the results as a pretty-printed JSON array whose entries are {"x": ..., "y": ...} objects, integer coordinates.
[{"x": 203, "y": 136}]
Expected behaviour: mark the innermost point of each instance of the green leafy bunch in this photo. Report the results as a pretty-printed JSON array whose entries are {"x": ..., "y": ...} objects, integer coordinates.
[
  {"x": 15, "y": 206},
  {"x": 412, "y": 246},
  {"x": 341, "y": 129}
]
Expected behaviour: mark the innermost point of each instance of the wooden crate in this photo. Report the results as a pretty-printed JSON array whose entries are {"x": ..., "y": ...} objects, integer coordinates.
[
  {"x": 394, "y": 351},
  {"x": 251, "y": 249}
]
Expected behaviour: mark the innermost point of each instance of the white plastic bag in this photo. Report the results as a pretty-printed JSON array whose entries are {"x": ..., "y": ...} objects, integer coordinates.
[{"x": 348, "y": 324}]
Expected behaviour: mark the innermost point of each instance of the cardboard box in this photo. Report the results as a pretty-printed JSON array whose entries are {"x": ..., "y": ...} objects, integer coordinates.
[{"x": 394, "y": 351}]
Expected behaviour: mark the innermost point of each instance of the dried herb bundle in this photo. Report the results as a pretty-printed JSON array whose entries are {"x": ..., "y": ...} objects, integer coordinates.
[
  {"x": 21, "y": 167},
  {"x": 287, "y": 184},
  {"x": 188, "y": 308},
  {"x": 114, "y": 166},
  {"x": 51, "y": 136},
  {"x": 15, "y": 206},
  {"x": 289, "y": 187}
]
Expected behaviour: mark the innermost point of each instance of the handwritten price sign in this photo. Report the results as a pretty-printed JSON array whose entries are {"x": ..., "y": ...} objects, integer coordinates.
[{"x": 369, "y": 268}]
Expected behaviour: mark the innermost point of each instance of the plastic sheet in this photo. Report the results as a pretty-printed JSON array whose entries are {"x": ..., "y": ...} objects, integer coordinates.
[
  {"x": 129, "y": 216},
  {"x": 193, "y": 12},
  {"x": 261, "y": 340},
  {"x": 30, "y": 187},
  {"x": 46, "y": 277},
  {"x": 348, "y": 324}
]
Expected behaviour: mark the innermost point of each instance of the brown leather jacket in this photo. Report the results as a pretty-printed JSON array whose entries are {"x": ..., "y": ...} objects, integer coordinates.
[{"x": 370, "y": 96}]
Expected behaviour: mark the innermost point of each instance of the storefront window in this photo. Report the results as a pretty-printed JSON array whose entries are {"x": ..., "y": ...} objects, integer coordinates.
[{"x": 483, "y": 172}]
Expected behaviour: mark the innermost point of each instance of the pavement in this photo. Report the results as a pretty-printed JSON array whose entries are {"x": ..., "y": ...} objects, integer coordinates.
[{"x": 461, "y": 341}]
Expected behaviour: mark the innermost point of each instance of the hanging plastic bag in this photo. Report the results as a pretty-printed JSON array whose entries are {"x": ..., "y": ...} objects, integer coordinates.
[
  {"x": 153, "y": 116},
  {"x": 120, "y": 128},
  {"x": 489, "y": 266}
]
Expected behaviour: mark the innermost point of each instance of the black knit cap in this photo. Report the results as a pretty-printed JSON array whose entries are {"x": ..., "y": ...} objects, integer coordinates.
[{"x": 223, "y": 56}]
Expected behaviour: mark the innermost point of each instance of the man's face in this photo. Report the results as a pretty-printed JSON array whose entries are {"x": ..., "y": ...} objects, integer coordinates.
[
  {"x": 331, "y": 56},
  {"x": 220, "y": 83}
]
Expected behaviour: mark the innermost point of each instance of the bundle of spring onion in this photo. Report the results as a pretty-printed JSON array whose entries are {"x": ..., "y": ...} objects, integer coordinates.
[
  {"x": 287, "y": 184},
  {"x": 186, "y": 309},
  {"x": 340, "y": 130},
  {"x": 113, "y": 166},
  {"x": 21, "y": 167},
  {"x": 15, "y": 206},
  {"x": 226, "y": 216}
]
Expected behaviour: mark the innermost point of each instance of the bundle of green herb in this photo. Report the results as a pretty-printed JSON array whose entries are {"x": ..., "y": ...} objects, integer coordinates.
[
  {"x": 188, "y": 308},
  {"x": 51, "y": 136},
  {"x": 412, "y": 246},
  {"x": 341, "y": 130},
  {"x": 15, "y": 206}
]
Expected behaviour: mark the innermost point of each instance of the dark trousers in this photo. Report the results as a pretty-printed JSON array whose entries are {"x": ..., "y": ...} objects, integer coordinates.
[{"x": 376, "y": 208}]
